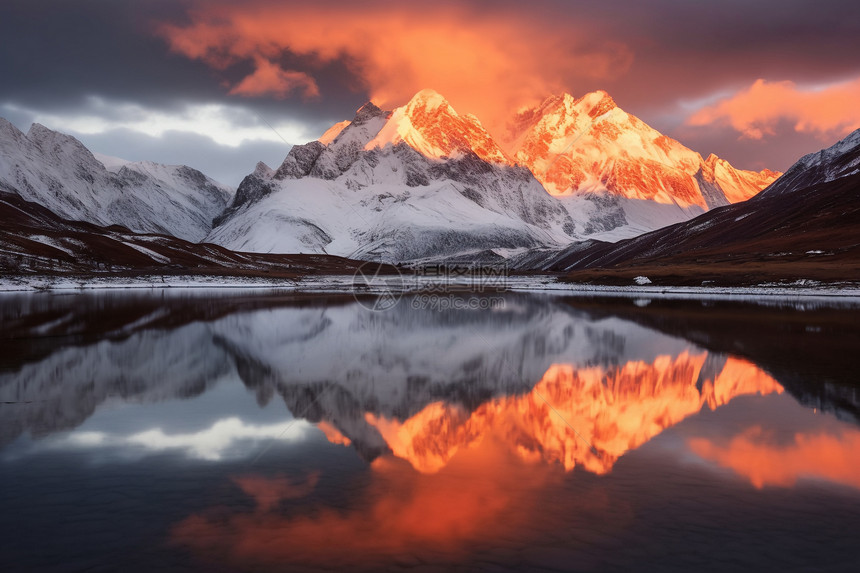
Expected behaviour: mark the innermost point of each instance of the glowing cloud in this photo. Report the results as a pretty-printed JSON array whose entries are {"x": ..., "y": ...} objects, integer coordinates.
[
  {"x": 824, "y": 456},
  {"x": 497, "y": 63},
  {"x": 483, "y": 496},
  {"x": 269, "y": 78},
  {"x": 756, "y": 111}
]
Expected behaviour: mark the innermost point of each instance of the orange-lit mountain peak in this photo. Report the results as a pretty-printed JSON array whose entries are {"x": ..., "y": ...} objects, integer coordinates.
[
  {"x": 713, "y": 159},
  {"x": 430, "y": 438},
  {"x": 576, "y": 416},
  {"x": 741, "y": 377},
  {"x": 590, "y": 144},
  {"x": 596, "y": 103},
  {"x": 332, "y": 132},
  {"x": 428, "y": 100},
  {"x": 738, "y": 185},
  {"x": 431, "y": 126}
]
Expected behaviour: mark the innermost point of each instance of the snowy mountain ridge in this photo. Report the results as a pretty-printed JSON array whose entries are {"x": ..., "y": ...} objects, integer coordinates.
[
  {"x": 419, "y": 183},
  {"x": 59, "y": 172},
  {"x": 802, "y": 226},
  {"x": 842, "y": 159}
]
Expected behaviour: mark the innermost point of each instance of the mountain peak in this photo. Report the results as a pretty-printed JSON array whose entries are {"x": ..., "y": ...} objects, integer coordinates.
[
  {"x": 263, "y": 171},
  {"x": 596, "y": 103},
  {"x": 8, "y": 131},
  {"x": 841, "y": 159},
  {"x": 848, "y": 143},
  {"x": 366, "y": 112},
  {"x": 335, "y": 130},
  {"x": 6, "y": 125},
  {"x": 39, "y": 132},
  {"x": 62, "y": 143},
  {"x": 590, "y": 144},
  {"x": 428, "y": 100},
  {"x": 593, "y": 104},
  {"x": 432, "y": 127}
]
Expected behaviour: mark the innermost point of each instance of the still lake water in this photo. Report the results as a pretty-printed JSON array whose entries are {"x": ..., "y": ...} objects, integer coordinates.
[{"x": 252, "y": 431}]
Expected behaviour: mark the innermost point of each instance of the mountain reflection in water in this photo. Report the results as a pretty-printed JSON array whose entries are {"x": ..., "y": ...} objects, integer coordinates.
[
  {"x": 586, "y": 417},
  {"x": 544, "y": 433}
]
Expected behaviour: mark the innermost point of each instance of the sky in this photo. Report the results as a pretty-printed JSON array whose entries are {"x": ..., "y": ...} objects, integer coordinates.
[{"x": 220, "y": 85}]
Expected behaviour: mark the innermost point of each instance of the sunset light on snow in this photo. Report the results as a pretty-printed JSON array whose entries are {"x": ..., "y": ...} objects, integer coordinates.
[{"x": 463, "y": 285}]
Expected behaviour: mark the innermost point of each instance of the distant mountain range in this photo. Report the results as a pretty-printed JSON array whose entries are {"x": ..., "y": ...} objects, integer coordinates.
[
  {"x": 58, "y": 172},
  {"x": 577, "y": 186}
]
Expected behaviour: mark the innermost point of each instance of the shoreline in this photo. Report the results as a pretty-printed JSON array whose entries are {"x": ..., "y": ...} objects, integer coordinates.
[{"x": 331, "y": 283}]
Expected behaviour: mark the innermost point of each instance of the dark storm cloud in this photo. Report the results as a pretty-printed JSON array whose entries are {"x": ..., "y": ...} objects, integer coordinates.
[
  {"x": 657, "y": 59},
  {"x": 691, "y": 49},
  {"x": 56, "y": 53}
]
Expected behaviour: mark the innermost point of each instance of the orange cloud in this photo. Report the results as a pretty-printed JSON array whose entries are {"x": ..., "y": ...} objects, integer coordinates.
[
  {"x": 486, "y": 62},
  {"x": 270, "y": 79},
  {"x": 831, "y": 457},
  {"x": 481, "y": 496},
  {"x": 756, "y": 111},
  {"x": 268, "y": 492}
]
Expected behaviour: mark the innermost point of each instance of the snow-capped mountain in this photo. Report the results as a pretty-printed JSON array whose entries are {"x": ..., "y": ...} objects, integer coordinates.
[
  {"x": 60, "y": 173},
  {"x": 842, "y": 159},
  {"x": 35, "y": 241},
  {"x": 420, "y": 182},
  {"x": 423, "y": 182},
  {"x": 591, "y": 145},
  {"x": 804, "y": 226}
]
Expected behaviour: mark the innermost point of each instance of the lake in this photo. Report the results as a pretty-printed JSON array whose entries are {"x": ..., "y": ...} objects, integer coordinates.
[{"x": 253, "y": 430}]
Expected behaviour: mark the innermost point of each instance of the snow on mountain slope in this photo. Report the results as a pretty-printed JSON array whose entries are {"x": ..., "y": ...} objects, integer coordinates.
[
  {"x": 419, "y": 183},
  {"x": 589, "y": 144},
  {"x": 841, "y": 159},
  {"x": 607, "y": 217},
  {"x": 111, "y": 163},
  {"x": 59, "y": 172}
]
